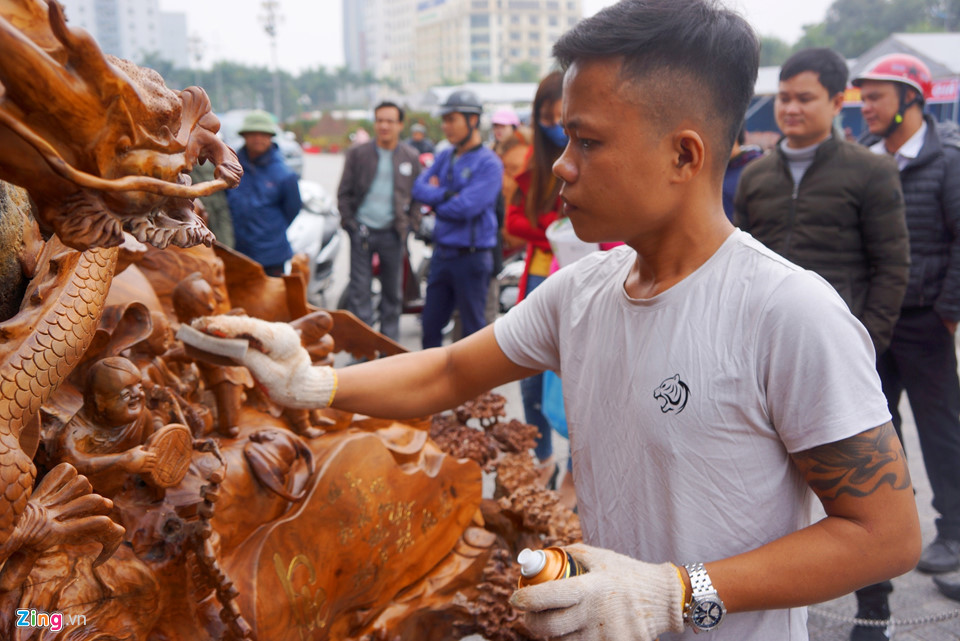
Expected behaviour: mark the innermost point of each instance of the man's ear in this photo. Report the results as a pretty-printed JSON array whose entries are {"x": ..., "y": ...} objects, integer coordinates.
[
  {"x": 836, "y": 103},
  {"x": 688, "y": 155},
  {"x": 913, "y": 97}
]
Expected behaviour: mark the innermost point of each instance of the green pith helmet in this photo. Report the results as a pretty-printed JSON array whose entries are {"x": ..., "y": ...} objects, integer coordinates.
[{"x": 259, "y": 122}]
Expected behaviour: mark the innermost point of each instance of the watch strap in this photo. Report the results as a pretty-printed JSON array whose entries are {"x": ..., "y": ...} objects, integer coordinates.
[{"x": 700, "y": 583}]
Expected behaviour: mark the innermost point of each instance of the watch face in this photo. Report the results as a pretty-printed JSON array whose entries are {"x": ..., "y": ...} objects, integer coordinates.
[{"x": 706, "y": 615}]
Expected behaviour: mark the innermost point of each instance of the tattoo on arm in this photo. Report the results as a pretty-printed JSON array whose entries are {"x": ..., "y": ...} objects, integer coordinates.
[{"x": 857, "y": 466}]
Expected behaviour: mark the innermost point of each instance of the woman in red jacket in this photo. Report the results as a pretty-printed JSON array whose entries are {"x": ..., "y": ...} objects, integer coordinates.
[{"x": 536, "y": 204}]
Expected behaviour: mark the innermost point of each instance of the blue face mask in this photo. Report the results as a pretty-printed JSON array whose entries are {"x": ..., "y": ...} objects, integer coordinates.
[{"x": 555, "y": 134}]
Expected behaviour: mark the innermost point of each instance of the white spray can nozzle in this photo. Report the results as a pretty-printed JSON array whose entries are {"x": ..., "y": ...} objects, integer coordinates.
[{"x": 531, "y": 562}]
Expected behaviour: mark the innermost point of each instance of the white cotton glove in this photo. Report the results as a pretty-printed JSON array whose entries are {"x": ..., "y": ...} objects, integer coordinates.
[
  {"x": 618, "y": 599},
  {"x": 277, "y": 360}
]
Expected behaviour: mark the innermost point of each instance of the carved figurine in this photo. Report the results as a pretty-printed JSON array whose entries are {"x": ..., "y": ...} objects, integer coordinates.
[
  {"x": 194, "y": 297},
  {"x": 105, "y": 440},
  {"x": 148, "y": 355}
]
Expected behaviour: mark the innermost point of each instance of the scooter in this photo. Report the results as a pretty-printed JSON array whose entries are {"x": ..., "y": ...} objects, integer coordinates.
[
  {"x": 316, "y": 232},
  {"x": 509, "y": 280}
]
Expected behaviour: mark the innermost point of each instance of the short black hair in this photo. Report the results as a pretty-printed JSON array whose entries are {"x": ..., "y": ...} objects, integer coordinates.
[
  {"x": 677, "y": 49},
  {"x": 742, "y": 136},
  {"x": 387, "y": 103},
  {"x": 826, "y": 63}
]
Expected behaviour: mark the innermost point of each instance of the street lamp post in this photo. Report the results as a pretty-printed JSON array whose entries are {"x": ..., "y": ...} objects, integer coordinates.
[
  {"x": 270, "y": 20},
  {"x": 196, "y": 47}
]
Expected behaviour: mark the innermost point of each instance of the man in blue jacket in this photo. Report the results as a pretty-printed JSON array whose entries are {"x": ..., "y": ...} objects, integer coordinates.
[
  {"x": 462, "y": 188},
  {"x": 267, "y": 199}
]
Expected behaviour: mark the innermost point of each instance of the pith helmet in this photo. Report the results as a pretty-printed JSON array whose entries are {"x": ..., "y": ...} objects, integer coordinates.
[
  {"x": 462, "y": 101},
  {"x": 258, "y": 121}
]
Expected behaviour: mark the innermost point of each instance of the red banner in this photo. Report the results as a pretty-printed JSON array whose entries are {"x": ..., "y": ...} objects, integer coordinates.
[{"x": 945, "y": 90}]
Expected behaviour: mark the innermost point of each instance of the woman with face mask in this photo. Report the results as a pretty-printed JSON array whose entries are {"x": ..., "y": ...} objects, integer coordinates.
[{"x": 536, "y": 204}]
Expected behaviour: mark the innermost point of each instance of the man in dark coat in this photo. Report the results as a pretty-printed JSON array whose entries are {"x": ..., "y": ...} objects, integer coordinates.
[
  {"x": 740, "y": 156},
  {"x": 374, "y": 199}
]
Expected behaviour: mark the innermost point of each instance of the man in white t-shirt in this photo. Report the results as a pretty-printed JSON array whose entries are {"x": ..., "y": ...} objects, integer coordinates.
[{"x": 710, "y": 385}]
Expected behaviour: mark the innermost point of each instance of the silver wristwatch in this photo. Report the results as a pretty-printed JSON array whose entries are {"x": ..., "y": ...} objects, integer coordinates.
[{"x": 706, "y": 610}]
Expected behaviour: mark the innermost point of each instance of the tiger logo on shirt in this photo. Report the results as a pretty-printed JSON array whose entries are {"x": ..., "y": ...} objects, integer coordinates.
[{"x": 672, "y": 394}]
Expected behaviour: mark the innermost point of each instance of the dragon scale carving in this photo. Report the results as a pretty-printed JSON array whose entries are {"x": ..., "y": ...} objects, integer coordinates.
[{"x": 65, "y": 319}]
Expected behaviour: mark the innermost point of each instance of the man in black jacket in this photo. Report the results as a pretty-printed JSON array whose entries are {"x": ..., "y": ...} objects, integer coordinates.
[
  {"x": 922, "y": 357},
  {"x": 827, "y": 204},
  {"x": 374, "y": 200}
]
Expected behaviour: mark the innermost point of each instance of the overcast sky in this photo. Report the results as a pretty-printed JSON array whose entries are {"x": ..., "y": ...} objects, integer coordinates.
[{"x": 309, "y": 35}]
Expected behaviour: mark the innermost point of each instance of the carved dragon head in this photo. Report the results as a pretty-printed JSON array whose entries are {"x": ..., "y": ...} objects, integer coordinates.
[{"x": 101, "y": 145}]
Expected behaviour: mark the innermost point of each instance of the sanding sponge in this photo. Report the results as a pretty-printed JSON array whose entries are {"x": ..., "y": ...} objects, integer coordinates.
[{"x": 232, "y": 348}]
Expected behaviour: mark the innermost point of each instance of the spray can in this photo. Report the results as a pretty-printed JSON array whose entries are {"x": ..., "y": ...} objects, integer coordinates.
[{"x": 548, "y": 564}]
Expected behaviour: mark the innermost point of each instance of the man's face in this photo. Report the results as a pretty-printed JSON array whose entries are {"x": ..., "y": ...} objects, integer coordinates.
[
  {"x": 616, "y": 164},
  {"x": 120, "y": 400},
  {"x": 387, "y": 126},
  {"x": 257, "y": 143},
  {"x": 881, "y": 101},
  {"x": 454, "y": 127},
  {"x": 805, "y": 109}
]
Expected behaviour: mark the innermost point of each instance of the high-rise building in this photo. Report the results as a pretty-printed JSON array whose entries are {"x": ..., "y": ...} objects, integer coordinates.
[
  {"x": 421, "y": 43},
  {"x": 132, "y": 29},
  {"x": 354, "y": 35}
]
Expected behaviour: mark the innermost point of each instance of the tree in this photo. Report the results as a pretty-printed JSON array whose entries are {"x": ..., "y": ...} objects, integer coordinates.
[
  {"x": 773, "y": 51},
  {"x": 525, "y": 71},
  {"x": 320, "y": 85},
  {"x": 814, "y": 35},
  {"x": 853, "y": 26},
  {"x": 172, "y": 76},
  {"x": 945, "y": 14}
]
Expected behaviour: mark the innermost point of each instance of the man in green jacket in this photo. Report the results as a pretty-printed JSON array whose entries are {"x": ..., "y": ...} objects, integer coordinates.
[{"x": 827, "y": 204}]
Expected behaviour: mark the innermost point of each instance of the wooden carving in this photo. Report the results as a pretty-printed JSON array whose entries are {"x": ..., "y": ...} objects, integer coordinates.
[
  {"x": 100, "y": 144},
  {"x": 151, "y": 492}
]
